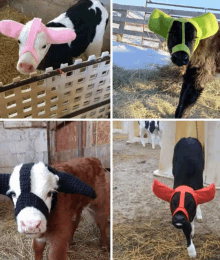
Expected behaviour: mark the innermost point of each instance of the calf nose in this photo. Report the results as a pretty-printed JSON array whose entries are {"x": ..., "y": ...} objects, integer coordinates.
[
  {"x": 31, "y": 226},
  {"x": 178, "y": 219},
  {"x": 180, "y": 58},
  {"x": 26, "y": 67}
]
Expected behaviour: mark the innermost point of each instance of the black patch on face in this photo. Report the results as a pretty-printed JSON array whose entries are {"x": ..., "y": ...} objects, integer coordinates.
[
  {"x": 181, "y": 58},
  {"x": 189, "y": 204}
]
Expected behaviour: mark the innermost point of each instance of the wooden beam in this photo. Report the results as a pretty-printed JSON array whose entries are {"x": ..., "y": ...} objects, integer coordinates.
[
  {"x": 117, "y": 19},
  {"x": 134, "y": 33},
  {"x": 149, "y": 10}
]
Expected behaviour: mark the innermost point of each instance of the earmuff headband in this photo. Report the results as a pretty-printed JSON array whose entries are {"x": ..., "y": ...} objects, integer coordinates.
[
  {"x": 200, "y": 196},
  {"x": 31, "y": 200},
  {"x": 206, "y": 25},
  {"x": 69, "y": 183}
]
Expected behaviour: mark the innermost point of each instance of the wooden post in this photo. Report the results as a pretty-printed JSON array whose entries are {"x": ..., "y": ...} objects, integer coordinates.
[{"x": 122, "y": 25}]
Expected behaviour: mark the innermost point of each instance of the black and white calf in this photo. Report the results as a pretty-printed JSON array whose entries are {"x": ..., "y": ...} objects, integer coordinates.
[
  {"x": 188, "y": 191},
  {"x": 153, "y": 129},
  {"x": 43, "y": 46}
]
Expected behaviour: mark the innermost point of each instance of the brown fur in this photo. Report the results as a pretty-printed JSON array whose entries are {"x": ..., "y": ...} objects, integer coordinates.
[
  {"x": 206, "y": 58},
  {"x": 60, "y": 224}
]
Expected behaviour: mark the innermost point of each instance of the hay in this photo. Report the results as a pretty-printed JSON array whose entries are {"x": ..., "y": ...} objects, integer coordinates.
[
  {"x": 9, "y": 47},
  {"x": 154, "y": 93},
  {"x": 157, "y": 240},
  {"x": 14, "y": 246}
]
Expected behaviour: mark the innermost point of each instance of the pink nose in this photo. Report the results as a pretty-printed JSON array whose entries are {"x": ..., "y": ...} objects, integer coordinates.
[
  {"x": 31, "y": 226},
  {"x": 27, "y": 67}
]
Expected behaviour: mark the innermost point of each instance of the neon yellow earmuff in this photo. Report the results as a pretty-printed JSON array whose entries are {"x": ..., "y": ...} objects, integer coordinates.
[{"x": 206, "y": 25}]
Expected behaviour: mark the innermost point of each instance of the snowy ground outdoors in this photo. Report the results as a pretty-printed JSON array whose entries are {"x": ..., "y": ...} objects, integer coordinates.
[
  {"x": 142, "y": 226},
  {"x": 147, "y": 85}
]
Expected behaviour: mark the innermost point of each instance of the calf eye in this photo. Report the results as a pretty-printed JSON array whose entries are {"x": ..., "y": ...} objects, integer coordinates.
[
  {"x": 49, "y": 194},
  {"x": 44, "y": 46},
  {"x": 19, "y": 41}
]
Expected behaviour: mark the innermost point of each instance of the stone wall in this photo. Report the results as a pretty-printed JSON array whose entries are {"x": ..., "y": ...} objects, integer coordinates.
[{"x": 22, "y": 142}]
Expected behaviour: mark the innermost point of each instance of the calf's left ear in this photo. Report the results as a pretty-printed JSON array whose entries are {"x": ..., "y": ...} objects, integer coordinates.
[
  {"x": 69, "y": 183},
  {"x": 60, "y": 35},
  {"x": 206, "y": 194},
  {"x": 162, "y": 191},
  {"x": 4, "y": 183}
]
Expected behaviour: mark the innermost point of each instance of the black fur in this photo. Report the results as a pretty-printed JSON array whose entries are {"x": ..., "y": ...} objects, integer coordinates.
[
  {"x": 188, "y": 166},
  {"x": 190, "y": 91},
  {"x": 85, "y": 22},
  {"x": 181, "y": 58}
]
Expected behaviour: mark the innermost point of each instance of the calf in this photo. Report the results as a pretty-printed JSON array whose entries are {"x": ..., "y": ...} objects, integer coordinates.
[
  {"x": 153, "y": 129},
  {"x": 49, "y": 201},
  {"x": 188, "y": 191},
  {"x": 80, "y": 29},
  {"x": 195, "y": 44}
]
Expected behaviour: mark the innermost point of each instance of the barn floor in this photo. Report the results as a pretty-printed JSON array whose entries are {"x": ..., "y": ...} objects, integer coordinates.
[
  {"x": 142, "y": 222},
  {"x": 14, "y": 246}
]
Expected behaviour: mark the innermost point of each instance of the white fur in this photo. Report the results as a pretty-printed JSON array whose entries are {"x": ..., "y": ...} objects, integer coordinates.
[
  {"x": 153, "y": 136},
  {"x": 191, "y": 250},
  {"x": 193, "y": 228},
  {"x": 42, "y": 182},
  {"x": 199, "y": 214},
  {"x": 95, "y": 47}
]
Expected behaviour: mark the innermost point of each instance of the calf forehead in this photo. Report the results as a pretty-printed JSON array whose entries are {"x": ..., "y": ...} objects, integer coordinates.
[
  {"x": 14, "y": 182},
  {"x": 42, "y": 179}
]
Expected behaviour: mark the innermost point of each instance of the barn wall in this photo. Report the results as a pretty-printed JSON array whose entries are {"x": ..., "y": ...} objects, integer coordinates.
[
  {"x": 95, "y": 141},
  {"x": 22, "y": 142},
  {"x": 49, "y": 9}
]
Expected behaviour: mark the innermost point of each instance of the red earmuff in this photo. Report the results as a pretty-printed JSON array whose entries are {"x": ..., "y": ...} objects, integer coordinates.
[{"x": 200, "y": 196}]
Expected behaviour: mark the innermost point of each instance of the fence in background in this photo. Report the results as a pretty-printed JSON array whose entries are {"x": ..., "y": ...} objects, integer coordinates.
[
  {"x": 130, "y": 23},
  {"x": 80, "y": 90}
]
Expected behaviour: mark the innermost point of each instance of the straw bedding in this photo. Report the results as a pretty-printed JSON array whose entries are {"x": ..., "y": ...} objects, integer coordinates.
[
  {"x": 154, "y": 93},
  {"x": 14, "y": 246},
  {"x": 157, "y": 239}
]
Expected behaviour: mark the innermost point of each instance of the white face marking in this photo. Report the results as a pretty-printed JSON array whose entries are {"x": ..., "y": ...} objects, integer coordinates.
[
  {"x": 191, "y": 250},
  {"x": 178, "y": 224},
  {"x": 30, "y": 220},
  {"x": 27, "y": 57}
]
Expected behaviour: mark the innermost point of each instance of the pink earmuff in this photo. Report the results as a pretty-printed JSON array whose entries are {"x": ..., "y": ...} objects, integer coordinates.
[{"x": 54, "y": 35}]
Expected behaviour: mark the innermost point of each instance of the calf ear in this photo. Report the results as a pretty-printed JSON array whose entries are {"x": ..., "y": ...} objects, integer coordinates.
[
  {"x": 11, "y": 28},
  {"x": 60, "y": 35},
  {"x": 206, "y": 194},
  {"x": 69, "y": 183},
  {"x": 162, "y": 191},
  {"x": 160, "y": 23},
  {"x": 4, "y": 183}
]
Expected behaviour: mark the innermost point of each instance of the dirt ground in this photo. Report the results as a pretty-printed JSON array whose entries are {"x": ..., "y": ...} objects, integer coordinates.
[
  {"x": 154, "y": 93},
  {"x": 142, "y": 222},
  {"x": 14, "y": 246}
]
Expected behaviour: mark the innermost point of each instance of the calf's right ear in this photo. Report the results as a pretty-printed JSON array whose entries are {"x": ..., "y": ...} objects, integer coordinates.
[
  {"x": 11, "y": 28},
  {"x": 162, "y": 191},
  {"x": 4, "y": 183},
  {"x": 68, "y": 183}
]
